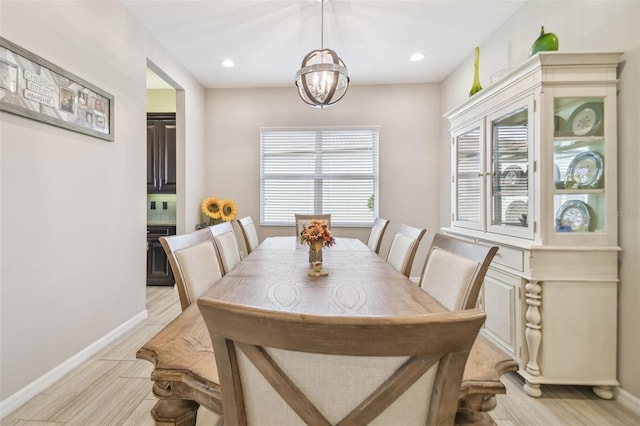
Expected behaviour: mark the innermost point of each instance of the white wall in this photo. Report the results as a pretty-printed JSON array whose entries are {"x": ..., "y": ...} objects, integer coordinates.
[
  {"x": 72, "y": 214},
  {"x": 409, "y": 117},
  {"x": 581, "y": 26}
]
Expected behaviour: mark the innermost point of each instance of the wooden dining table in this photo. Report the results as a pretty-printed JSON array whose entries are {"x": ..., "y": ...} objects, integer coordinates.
[{"x": 275, "y": 276}]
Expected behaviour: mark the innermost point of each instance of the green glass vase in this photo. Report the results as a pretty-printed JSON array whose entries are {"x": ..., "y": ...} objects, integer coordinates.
[{"x": 476, "y": 75}]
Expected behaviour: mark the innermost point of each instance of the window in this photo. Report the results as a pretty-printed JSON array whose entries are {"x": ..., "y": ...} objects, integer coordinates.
[{"x": 319, "y": 170}]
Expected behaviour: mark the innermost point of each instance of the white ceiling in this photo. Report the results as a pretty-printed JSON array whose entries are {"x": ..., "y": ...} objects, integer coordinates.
[{"x": 267, "y": 39}]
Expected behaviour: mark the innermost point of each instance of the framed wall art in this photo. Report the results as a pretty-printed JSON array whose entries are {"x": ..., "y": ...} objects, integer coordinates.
[{"x": 35, "y": 88}]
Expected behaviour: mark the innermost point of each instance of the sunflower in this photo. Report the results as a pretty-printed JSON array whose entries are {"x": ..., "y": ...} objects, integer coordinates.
[
  {"x": 228, "y": 210},
  {"x": 211, "y": 207},
  {"x": 317, "y": 234}
]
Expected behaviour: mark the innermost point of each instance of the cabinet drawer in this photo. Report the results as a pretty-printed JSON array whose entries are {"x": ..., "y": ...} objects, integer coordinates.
[{"x": 510, "y": 257}]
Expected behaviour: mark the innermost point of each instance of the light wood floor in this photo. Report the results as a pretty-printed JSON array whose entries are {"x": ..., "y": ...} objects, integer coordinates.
[{"x": 113, "y": 388}]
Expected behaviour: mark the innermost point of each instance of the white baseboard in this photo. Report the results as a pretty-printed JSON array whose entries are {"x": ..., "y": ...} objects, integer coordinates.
[
  {"x": 11, "y": 403},
  {"x": 628, "y": 400}
]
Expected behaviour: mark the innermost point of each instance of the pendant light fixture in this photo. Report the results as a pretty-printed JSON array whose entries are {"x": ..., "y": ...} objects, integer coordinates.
[{"x": 322, "y": 79}]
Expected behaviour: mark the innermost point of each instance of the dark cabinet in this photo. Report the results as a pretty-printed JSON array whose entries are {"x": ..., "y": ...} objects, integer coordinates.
[
  {"x": 158, "y": 268},
  {"x": 161, "y": 152}
]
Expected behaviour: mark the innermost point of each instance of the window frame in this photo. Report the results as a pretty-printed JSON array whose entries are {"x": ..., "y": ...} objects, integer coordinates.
[{"x": 319, "y": 178}]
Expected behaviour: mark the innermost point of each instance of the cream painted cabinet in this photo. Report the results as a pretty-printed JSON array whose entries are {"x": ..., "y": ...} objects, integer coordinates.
[
  {"x": 534, "y": 171},
  {"x": 501, "y": 301}
]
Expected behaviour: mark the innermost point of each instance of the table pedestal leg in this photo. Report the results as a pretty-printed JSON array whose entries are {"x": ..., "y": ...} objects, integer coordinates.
[
  {"x": 175, "y": 412},
  {"x": 472, "y": 410}
]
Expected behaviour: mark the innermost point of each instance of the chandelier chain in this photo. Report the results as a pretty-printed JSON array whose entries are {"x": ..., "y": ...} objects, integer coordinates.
[{"x": 321, "y": 24}]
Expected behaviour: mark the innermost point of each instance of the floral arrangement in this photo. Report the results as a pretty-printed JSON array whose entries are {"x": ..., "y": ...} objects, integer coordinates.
[
  {"x": 317, "y": 234},
  {"x": 217, "y": 211}
]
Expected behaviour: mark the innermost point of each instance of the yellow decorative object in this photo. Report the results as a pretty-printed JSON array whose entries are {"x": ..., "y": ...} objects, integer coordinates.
[
  {"x": 211, "y": 208},
  {"x": 316, "y": 270},
  {"x": 217, "y": 211},
  {"x": 229, "y": 210}
]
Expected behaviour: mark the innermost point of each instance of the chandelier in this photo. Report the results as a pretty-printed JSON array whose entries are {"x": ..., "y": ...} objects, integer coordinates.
[{"x": 323, "y": 78}]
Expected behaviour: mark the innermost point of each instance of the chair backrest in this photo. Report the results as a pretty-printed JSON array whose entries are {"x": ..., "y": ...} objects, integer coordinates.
[
  {"x": 377, "y": 232},
  {"x": 227, "y": 244},
  {"x": 454, "y": 271},
  {"x": 302, "y": 219},
  {"x": 404, "y": 247},
  {"x": 194, "y": 262},
  {"x": 249, "y": 233},
  {"x": 284, "y": 369}
]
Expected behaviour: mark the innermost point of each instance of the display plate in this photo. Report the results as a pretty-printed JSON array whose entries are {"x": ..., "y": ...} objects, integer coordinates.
[
  {"x": 584, "y": 171},
  {"x": 573, "y": 216},
  {"x": 557, "y": 177},
  {"x": 512, "y": 177},
  {"x": 586, "y": 119},
  {"x": 516, "y": 213}
]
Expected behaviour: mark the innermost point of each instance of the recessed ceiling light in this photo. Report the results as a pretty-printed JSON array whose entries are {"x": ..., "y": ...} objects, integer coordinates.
[
  {"x": 227, "y": 63},
  {"x": 417, "y": 57}
]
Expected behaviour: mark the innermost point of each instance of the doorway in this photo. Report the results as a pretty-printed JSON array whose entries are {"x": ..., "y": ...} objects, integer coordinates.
[{"x": 161, "y": 167}]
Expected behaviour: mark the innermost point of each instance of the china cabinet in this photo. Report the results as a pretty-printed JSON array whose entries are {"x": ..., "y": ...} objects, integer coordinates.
[{"x": 534, "y": 172}]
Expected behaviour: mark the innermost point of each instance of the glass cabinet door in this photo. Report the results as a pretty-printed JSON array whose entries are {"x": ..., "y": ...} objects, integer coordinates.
[
  {"x": 510, "y": 165},
  {"x": 468, "y": 178},
  {"x": 578, "y": 154}
]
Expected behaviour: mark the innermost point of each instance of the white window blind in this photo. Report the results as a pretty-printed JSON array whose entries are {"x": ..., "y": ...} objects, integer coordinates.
[
  {"x": 319, "y": 170},
  {"x": 469, "y": 177}
]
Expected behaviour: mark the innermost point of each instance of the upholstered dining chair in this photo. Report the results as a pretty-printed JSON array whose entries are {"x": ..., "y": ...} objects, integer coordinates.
[
  {"x": 194, "y": 261},
  {"x": 302, "y": 219},
  {"x": 404, "y": 247},
  {"x": 249, "y": 233},
  {"x": 454, "y": 271},
  {"x": 366, "y": 370},
  {"x": 227, "y": 244},
  {"x": 377, "y": 232}
]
